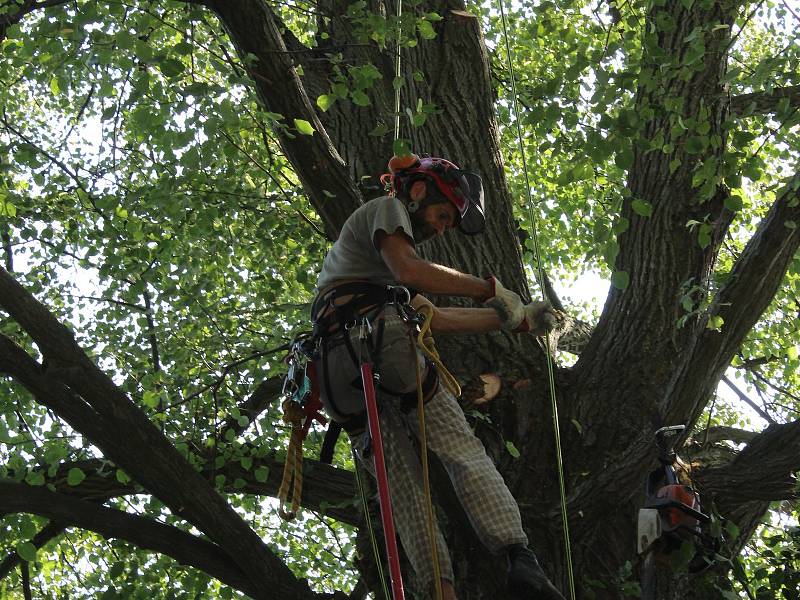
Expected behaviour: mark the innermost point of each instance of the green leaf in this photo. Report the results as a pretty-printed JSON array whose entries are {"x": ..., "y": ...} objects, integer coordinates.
[
  {"x": 75, "y": 476},
  {"x": 325, "y": 102},
  {"x": 7, "y": 209},
  {"x": 261, "y": 474},
  {"x": 54, "y": 87},
  {"x": 34, "y": 478},
  {"x": 704, "y": 235},
  {"x": 116, "y": 569},
  {"x": 401, "y": 147},
  {"x": 26, "y": 551},
  {"x": 426, "y": 30},
  {"x": 734, "y": 203},
  {"x": 696, "y": 144},
  {"x": 150, "y": 399},
  {"x": 715, "y": 323},
  {"x": 304, "y": 127},
  {"x": 380, "y": 130},
  {"x": 620, "y": 280},
  {"x": 512, "y": 449},
  {"x": 642, "y": 208},
  {"x": 171, "y": 67},
  {"x": 122, "y": 477},
  {"x": 624, "y": 158},
  {"x": 28, "y": 528},
  {"x": 246, "y": 462},
  {"x": 359, "y": 98}
]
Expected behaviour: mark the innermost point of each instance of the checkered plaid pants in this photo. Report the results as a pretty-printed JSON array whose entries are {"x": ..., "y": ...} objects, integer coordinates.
[{"x": 491, "y": 508}]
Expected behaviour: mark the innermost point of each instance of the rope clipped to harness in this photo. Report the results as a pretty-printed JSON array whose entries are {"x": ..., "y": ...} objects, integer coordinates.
[
  {"x": 425, "y": 342},
  {"x": 427, "y": 345},
  {"x": 293, "y": 467},
  {"x": 300, "y": 409}
]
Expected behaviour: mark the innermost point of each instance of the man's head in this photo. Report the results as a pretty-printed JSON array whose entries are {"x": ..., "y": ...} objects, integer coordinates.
[
  {"x": 431, "y": 213},
  {"x": 433, "y": 189}
]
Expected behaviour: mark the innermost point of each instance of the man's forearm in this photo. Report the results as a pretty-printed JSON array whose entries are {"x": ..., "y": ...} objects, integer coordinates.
[
  {"x": 433, "y": 278},
  {"x": 464, "y": 320}
]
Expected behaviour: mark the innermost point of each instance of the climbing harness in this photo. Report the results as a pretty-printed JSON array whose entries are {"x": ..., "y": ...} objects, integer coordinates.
[
  {"x": 362, "y": 308},
  {"x": 672, "y": 514},
  {"x": 301, "y": 407},
  {"x": 540, "y": 272}
]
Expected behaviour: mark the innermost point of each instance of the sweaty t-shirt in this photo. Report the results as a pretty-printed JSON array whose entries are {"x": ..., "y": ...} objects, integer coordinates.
[{"x": 355, "y": 254}]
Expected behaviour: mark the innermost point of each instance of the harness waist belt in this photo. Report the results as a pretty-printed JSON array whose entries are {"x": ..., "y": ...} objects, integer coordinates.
[{"x": 362, "y": 299}]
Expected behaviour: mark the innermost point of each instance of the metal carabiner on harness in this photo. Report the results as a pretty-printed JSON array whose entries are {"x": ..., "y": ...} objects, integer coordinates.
[
  {"x": 401, "y": 295},
  {"x": 295, "y": 375}
]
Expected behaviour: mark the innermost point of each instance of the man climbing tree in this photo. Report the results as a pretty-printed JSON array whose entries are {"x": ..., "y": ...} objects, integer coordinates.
[
  {"x": 374, "y": 254},
  {"x": 173, "y": 173}
]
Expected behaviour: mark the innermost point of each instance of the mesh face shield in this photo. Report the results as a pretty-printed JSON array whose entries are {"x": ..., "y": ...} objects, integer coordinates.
[{"x": 466, "y": 193}]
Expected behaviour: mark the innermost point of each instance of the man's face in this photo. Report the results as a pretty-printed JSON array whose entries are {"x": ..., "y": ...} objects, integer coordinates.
[{"x": 433, "y": 220}]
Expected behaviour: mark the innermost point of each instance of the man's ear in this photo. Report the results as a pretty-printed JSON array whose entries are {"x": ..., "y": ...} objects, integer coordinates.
[{"x": 418, "y": 191}]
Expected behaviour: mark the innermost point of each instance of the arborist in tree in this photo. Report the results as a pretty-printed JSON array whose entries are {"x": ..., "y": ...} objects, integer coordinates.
[{"x": 374, "y": 272}]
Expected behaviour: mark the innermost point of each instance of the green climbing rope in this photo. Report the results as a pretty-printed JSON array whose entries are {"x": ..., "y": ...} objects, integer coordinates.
[{"x": 540, "y": 275}]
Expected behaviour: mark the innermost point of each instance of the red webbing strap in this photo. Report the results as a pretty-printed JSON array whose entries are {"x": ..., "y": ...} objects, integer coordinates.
[
  {"x": 392, "y": 554},
  {"x": 313, "y": 405}
]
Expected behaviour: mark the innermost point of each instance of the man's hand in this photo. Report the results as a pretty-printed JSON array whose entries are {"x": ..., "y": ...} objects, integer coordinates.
[
  {"x": 507, "y": 305},
  {"x": 540, "y": 318}
]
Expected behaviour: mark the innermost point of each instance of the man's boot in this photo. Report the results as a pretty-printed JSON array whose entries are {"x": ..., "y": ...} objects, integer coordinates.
[{"x": 526, "y": 578}]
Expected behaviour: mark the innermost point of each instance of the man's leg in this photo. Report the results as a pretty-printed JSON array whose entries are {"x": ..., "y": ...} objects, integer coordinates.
[
  {"x": 491, "y": 508},
  {"x": 408, "y": 500}
]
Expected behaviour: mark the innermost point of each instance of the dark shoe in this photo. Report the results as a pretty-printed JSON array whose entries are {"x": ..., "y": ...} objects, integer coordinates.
[{"x": 526, "y": 578}]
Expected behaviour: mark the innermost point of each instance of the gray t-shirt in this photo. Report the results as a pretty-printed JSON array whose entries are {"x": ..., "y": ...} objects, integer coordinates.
[{"x": 355, "y": 254}]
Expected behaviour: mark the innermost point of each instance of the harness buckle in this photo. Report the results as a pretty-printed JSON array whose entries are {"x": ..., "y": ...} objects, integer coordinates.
[
  {"x": 399, "y": 293},
  {"x": 366, "y": 329}
]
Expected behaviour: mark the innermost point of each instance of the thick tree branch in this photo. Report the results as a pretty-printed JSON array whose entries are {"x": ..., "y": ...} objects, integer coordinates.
[
  {"x": 749, "y": 288},
  {"x": 722, "y": 433},
  {"x": 255, "y": 31},
  {"x": 763, "y": 471},
  {"x": 140, "y": 531},
  {"x": 265, "y": 394},
  {"x": 761, "y": 103},
  {"x": 125, "y": 434},
  {"x": 326, "y": 489}
]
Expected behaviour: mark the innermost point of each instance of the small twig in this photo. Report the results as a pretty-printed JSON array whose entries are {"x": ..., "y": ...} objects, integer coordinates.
[
  {"x": 8, "y": 251},
  {"x": 135, "y": 307},
  {"x": 26, "y": 580},
  {"x": 789, "y": 8},
  {"x": 762, "y": 413}
]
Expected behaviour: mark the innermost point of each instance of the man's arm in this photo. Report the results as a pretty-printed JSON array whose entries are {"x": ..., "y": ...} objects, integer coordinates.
[
  {"x": 460, "y": 320},
  {"x": 415, "y": 272}
]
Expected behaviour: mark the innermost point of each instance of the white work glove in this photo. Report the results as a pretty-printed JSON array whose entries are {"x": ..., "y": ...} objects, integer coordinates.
[
  {"x": 540, "y": 318},
  {"x": 507, "y": 305}
]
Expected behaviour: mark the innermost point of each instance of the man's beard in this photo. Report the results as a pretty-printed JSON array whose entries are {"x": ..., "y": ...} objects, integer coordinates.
[{"x": 421, "y": 230}]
